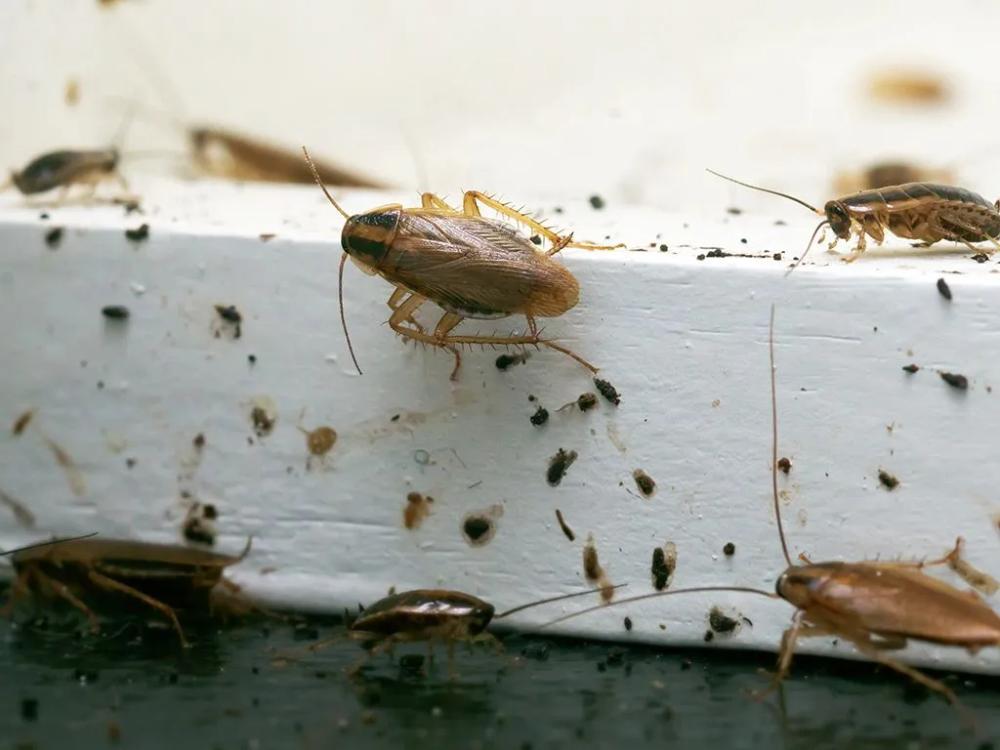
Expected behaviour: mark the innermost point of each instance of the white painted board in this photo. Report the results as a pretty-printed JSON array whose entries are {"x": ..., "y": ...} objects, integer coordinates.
[{"x": 683, "y": 339}]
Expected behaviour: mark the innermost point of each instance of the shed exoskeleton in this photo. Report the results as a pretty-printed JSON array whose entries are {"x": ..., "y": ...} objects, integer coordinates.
[{"x": 469, "y": 265}]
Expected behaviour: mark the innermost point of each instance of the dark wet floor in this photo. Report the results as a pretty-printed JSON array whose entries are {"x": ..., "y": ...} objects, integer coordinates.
[{"x": 132, "y": 686}]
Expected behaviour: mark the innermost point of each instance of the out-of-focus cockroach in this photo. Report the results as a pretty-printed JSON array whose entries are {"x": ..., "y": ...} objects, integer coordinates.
[
  {"x": 922, "y": 211},
  {"x": 874, "y": 605},
  {"x": 471, "y": 266},
  {"x": 166, "y": 578},
  {"x": 431, "y": 615},
  {"x": 884, "y": 174}
]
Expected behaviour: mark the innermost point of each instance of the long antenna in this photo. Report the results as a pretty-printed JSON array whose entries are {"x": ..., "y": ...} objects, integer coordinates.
[
  {"x": 766, "y": 190},
  {"x": 559, "y": 598},
  {"x": 49, "y": 543},
  {"x": 320, "y": 183},
  {"x": 811, "y": 239},
  {"x": 656, "y": 594},
  {"x": 774, "y": 440}
]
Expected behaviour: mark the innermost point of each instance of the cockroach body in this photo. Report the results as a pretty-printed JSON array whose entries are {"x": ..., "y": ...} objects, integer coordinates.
[
  {"x": 164, "y": 577},
  {"x": 66, "y": 168},
  {"x": 471, "y": 266},
  {"x": 874, "y": 605},
  {"x": 922, "y": 211},
  {"x": 224, "y": 153},
  {"x": 885, "y": 174}
]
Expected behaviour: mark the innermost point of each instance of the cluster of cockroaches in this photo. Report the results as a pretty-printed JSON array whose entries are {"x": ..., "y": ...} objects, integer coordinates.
[{"x": 477, "y": 267}]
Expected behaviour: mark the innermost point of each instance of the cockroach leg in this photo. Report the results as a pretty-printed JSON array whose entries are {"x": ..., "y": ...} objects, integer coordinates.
[
  {"x": 397, "y": 298},
  {"x": 865, "y": 647},
  {"x": 429, "y": 200},
  {"x": 110, "y": 583},
  {"x": 470, "y": 205},
  {"x": 62, "y": 591},
  {"x": 570, "y": 354}
]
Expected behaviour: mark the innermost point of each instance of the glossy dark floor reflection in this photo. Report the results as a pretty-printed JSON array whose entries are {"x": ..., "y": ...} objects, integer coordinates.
[{"x": 132, "y": 686}]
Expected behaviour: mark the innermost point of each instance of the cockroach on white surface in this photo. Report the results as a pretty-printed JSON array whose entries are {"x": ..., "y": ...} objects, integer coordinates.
[
  {"x": 471, "y": 266},
  {"x": 922, "y": 211},
  {"x": 874, "y": 605}
]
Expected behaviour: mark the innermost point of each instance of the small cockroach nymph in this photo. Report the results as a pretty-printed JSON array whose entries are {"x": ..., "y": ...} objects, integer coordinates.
[
  {"x": 922, "y": 211},
  {"x": 875, "y": 606},
  {"x": 471, "y": 266},
  {"x": 165, "y": 578}
]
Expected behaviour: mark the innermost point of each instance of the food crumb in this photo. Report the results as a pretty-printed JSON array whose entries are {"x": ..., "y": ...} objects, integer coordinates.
[{"x": 586, "y": 401}]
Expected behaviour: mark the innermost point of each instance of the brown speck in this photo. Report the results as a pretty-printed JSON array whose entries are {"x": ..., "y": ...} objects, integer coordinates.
[
  {"x": 478, "y": 529},
  {"x": 74, "y": 476},
  {"x": 53, "y": 237},
  {"x": 664, "y": 564},
  {"x": 558, "y": 466},
  {"x": 129, "y": 463},
  {"x": 784, "y": 464},
  {"x": 734, "y": 211},
  {"x": 22, "y": 422},
  {"x": 586, "y": 401},
  {"x": 233, "y": 317},
  {"x": 729, "y": 549},
  {"x": 908, "y": 87},
  {"x": 321, "y": 440},
  {"x": 911, "y": 368},
  {"x": 608, "y": 391},
  {"x": 199, "y": 441},
  {"x": 944, "y": 289},
  {"x": 628, "y": 624},
  {"x": 71, "y": 93},
  {"x": 138, "y": 234},
  {"x": 540, "y": 417},
  {"x": 594, "y": 572},
  {"x": 955, "y": 380},
  {"x": 565, "y": 528},
  {"x": 597, "y": 202},
  {"x": 24, "y": 516},
  {"x": 115, "y": 312},
  {"x": 266, "y": 236},
  {"x": 888, "y": 480},
  {"x": 417, "y": 508},
  {"x": 263, "y": 416},
  {"x": 197, "y": 526},
  {"x": 644, "y": 482},
  {"x": 720, "y": 622},
  {"x": 509, "y": 360}
]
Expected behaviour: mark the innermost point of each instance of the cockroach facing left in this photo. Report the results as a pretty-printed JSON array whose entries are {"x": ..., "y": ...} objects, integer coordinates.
[{"x": 471, "y": 266}]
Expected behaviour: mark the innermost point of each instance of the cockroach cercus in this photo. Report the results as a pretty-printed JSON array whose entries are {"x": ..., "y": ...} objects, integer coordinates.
[
  {"x": 874, "y": 605},
  {"x": 431, "y": 615},
  {"x": 161, "y": 576},
  {"x": 922, "y": 211},
  {"x": 471, "y": 266}
]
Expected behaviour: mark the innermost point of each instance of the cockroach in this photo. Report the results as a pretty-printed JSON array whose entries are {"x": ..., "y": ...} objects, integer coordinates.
[
  {"x": 884, "y": 174},
  {"x": 164, "y": 577},
  {"x": 471, "y": 266},
  {"x": 922, "y": 211},
  {"x": 874, "y": 605},
  {"x": 432, "y": 615}
]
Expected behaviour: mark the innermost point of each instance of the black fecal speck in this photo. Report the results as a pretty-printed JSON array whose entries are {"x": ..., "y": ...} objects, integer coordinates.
[
  {"x": 252, "y": 359},
  {"x": 558, "y": 466},
  {"x": 628, "y": 624},
  {"x": 660, "y": 570},
  {"x": 709, "y": 636},
  {"x": 586, "y": 401},
  {"x": 955, "y": 380},
  {"x": 476, "y": 527},
  {"x": 540, "y": 417},
  {"x": 115, "y": 312},
  {"x": 888, "y": 480},
  {"x": 911, "y": 368},
  {"x": 720, "y": 622},
  {"x": 43, "y": 216},
  {"x": 536, "y": 239},
  {"x": 734, "y": 211},
  {"x": 138, "y": 234},
  {"x": 608, "y": 391},
  {"x": 729, "y": 550},
  {"x": 944, "y": 289},
  {"x": 597, "y": 202},
  {"x": 53, "y": 237},
  {"x": 664, "y": 248}
]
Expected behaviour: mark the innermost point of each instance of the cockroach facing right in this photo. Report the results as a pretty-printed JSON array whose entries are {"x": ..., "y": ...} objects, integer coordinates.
[
  {"x": 163, "y": 577},
  {"x": 876, "y": 606},
  {"x": 921, "y": 211},
  {"x": 471, "y": 266}
]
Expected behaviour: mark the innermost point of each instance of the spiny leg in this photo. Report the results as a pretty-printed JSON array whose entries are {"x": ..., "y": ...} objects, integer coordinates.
[
  {"x": 472, "y": 198},
  {"x": 102, "y": 580},
  {"x": 785, "y": 653},
  {"x": 62, "y": 590},
  {"x": 397, "y": 298},
  {"x": 441, "y": 330},
  {"x": 859, "y": 248},
  {"x": 429, "y": 200}
]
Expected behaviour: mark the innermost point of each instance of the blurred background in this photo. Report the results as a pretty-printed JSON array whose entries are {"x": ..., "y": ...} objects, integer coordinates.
[{"x": 561, "y": 99}]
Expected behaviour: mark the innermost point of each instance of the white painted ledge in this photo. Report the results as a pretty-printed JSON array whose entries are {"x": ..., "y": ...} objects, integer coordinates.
[{"x": 683, "y": 340}]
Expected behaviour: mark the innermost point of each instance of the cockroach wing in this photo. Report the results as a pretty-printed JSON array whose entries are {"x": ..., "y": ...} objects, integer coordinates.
[
  {"x": 477, "y": 267},
  {"x": 888, "y": 599}
]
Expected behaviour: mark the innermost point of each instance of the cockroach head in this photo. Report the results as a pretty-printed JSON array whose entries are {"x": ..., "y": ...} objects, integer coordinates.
[
  {"x": 797, "y": 584},
  {"x": 481, "y": 616},
  {"x": 839, "y": 218},
  {"x": 367, "y": 237}
]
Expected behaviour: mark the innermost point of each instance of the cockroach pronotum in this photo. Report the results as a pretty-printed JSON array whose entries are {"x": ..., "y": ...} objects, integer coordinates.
[
  {"x": 164, "y": 577},
  {"x": 922, "y": 211},
  {"x": 874, "y": 605},
  {"x": 471, "y": 266},
  {"x": 432, "y": 615}
]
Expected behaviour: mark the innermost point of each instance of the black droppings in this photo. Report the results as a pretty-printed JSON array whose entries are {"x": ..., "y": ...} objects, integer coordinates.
[
  {"x": 734, "y": 211},
  {"x": 660, "y": 569},
  {"x": 784, "y": 464},
  {"x": 478, "y": 530},
  {"x": 944, "y": 289},
  {"x": 888, "y": 481},
  {"x": 955, "y": 380},
  {"x": 608, "y": 391},
  {"x": 29, "y": 709},
  {"x": 729, "y": 549},
  {"x": 644, "y": 482},
  {"x": 980, "y": 257},
  {"x": 536, "y": 239},
  {"x": 509, "y": 360},
  {"x": 138, "y": 234},
  {"x": 115, "y": 312},
  {"x": 43, "y": 216},
  {"x": 231, "y": 315},
  {"x": 597, "y": 202},
  {"x": 564, "y": 526},
  {"x": 252, "y": 359},
  {"x": 628, "y": 624},
  {"x": 709, "y": 636},
  {"x": 586, "y": 401},
  {"x": 53, "y": 237},
  {"x": 540, "y": 417},
  {"x": 720, "y": 622},
  {"x": 558, "y": 466},
  {"x": 911, "y": 368},
  {"x": 664, "y": 248}
]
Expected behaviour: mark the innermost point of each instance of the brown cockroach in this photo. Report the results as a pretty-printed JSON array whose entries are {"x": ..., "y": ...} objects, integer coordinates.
[
  {"x": 471, "y": 266},
  {"x": 163, "y": 577},
  {"x": 874, "y": 605},
  {"x": 922, "y": 211},
  {"x": 884, "y": 174}
]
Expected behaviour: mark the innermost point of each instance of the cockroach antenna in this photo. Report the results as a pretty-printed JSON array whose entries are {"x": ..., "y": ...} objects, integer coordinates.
[
  {"x": 48, "y": 543},
  {"x": 774, "y": 438},
  {"x": 343, "y": 259},
  {"x": 766, "y": 190}
]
